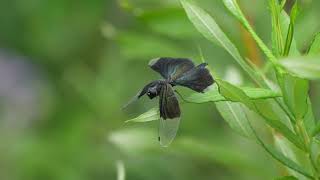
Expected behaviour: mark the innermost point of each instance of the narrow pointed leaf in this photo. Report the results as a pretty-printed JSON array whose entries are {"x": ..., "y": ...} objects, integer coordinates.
[
  {"x": 295, "y": 93},
  {"x": 151, "y": 115},
  {"x": 233, "y": 93},
  {"x": 304, "y": 67},
  {"x": 309, "y": 120},
  {"x": 208, "y": 27},
  {"x": 289, "y": 39},
  {"x": 232, "y": 113},
  {"x": 213, "y": 95}
]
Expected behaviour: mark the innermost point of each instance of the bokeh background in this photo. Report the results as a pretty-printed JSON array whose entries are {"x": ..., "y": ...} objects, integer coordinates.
[{"x": 67, "y": 67}]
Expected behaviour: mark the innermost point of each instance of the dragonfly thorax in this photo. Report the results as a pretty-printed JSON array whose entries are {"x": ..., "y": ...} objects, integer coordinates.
[{"x": 155, "y": 88}]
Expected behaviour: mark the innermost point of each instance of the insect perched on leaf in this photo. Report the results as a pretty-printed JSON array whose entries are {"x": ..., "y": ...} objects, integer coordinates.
[{"x": 175, "y": 71}]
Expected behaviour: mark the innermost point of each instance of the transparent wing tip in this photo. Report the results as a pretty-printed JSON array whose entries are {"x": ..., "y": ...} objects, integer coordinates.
[
  {"x": 168, "y": 131},
  {"x": 164, "y": 144},
  {"x": 129, "y": 102}
]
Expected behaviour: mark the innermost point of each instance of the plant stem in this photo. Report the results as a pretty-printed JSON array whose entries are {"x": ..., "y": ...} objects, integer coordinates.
[
  {"x": 315, "y": 168},
  {"x": 306, "y": 138}
]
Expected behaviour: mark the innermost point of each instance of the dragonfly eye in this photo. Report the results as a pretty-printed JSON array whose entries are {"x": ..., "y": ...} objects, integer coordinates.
[{"x": 151, "y": 94}]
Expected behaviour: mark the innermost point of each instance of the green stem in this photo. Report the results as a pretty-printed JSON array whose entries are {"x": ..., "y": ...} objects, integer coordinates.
[
  {"x": 303, "y": 132},
  {"x": 315, "y": 168},
  {"x": 260, "y": 43}
]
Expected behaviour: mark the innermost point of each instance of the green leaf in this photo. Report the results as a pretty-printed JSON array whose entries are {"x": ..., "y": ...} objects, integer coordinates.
[
  {"x": 233, "y": 93},
  {"x": 295, "y": 93},
  {"x": 151, "y": 115},
  {"x": 286, "y": 178},
  {"x": 268, "y": 111},
  {"x": 315, "y": 152},
  {"x": 309, "y": 120},
  {"x": 286, "y": 149},
  {"x": 232, "y": 113},
  {"x": 262, "y": 107},
  {"x": 276, "y": 154},
  {"x": 277, "y": 29},
  {"x": 316, "y": 129},
  {"x": 289, "y": 39},
  {"x": 315, "y": 45},
  {"x": 213, "y": 95},
  {"x": 260, "y": 93},
  {"x": 234, "y": 8},
  {"x": 208, "y": 27},
  {"x": 303, "y": 66},
  {"x": 285, "y": 23}
]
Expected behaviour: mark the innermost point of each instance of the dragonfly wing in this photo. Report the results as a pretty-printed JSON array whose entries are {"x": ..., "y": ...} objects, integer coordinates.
[
  {"x": 197, "y": 79},
  {"x": 168, "y": 130},
  {"x": 171, "y": 67},
  {"x": 169, "y": 115}
]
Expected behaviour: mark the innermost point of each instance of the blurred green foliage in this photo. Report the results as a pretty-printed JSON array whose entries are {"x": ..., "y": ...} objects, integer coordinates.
[{"x": 68, "y": 67}]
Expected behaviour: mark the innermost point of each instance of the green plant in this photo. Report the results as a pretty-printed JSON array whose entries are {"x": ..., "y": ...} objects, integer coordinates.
[{"x": 284, "y": 107}]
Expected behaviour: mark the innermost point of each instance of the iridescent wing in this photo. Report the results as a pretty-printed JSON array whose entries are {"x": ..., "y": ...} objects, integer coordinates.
[
  {"x": 197, "y": 79},
  {"x": 169, "y": 115},
  {"x": 171, "y": 68}
]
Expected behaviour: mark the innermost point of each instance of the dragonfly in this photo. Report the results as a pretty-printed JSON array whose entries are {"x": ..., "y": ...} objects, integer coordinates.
[{"x": 174, "y": 72}]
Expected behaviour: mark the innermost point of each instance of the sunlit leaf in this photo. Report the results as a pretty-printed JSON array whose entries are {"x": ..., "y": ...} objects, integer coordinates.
[
  {"x": 234, "y": 8},
  {"x": 151, "y": 115},
  {"x": 213, "y": 95},
  {"x": 304, "y": 67},
  {"x": 233, "y": 93},
  {"x": 232, "y": 113}
]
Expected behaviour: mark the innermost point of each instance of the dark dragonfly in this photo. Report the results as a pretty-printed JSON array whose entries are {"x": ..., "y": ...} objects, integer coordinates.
[{"x": 175, "y": 71}]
